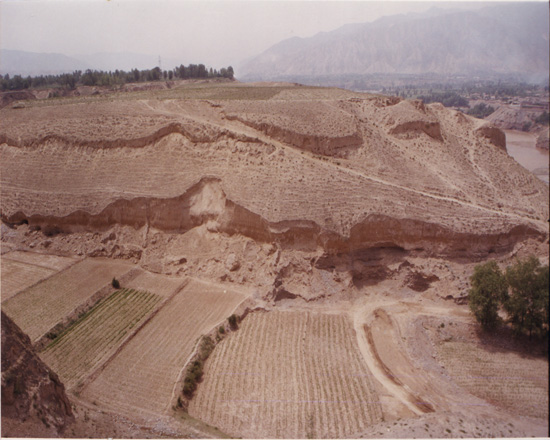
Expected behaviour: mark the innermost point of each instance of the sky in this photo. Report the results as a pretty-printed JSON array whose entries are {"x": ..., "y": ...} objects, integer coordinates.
[{"x": 217, "y": 33}]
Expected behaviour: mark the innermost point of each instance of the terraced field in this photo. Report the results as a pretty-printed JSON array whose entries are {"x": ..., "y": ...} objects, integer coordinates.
[
  {"x": 288, "y": 375},
  {"x": 142, "y": 377},
  {"x": 54, "y": 262},
  {"x": 23, "y": 269},
  {"x": 40, "y": 307},
  {"x": 89, "y": 342},
  {"x": 504, "y": 379},
  {"x": 162, "y": 285},
  {"x": 16, "y": 276}
]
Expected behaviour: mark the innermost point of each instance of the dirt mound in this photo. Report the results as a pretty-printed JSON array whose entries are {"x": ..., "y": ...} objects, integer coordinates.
[
  {"x": 6, "y": 98},
  {"x": 34, "y": 402}
]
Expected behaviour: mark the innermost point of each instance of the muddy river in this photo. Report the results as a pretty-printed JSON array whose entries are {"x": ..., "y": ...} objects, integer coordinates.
[{"x": 521, "y": 146}]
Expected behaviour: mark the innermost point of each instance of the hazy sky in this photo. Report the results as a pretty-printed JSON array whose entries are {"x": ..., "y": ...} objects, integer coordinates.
[{"x": 214, "y": 32}]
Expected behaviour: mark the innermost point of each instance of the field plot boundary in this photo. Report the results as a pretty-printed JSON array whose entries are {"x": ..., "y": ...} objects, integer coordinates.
[
  {"x": 506, "y": 380},
  {"x": 54, "y": 273},
  {"x": 92, "y": 301},
  {"x": 46, "y": 309},
  {"x": 141, "y": 378},
  {"x": 179, "y": 383},
  {"x": 95, "y": 373},
  {"x": 15, "y": 275},
  {"x": 13, "y": 251},
  {"x": 288, "y": 373},
  {"x": 90, "y": 340}
]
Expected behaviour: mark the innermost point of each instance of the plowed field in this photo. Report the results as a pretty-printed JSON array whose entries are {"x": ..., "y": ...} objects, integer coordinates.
[
  {"x": 40, "y": 307},
  {"x": 144, "y": 374},
  {"x": 16, "y": 276},
  {"x": 91, "y": 340},
  {"x": 288, "y": 375},
  {"x": 54, "y": 262},
  {"x": 505, "y": 379},
  {"x": 162, "y": 285},
  {"x": 23, "y": 269}
]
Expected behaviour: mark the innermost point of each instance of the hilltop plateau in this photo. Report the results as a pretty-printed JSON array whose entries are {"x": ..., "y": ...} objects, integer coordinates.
[{"x": 319, "y": 216}]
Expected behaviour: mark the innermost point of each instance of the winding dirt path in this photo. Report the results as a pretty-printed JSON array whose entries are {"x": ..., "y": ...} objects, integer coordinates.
[{"x": 243, "y": 129}]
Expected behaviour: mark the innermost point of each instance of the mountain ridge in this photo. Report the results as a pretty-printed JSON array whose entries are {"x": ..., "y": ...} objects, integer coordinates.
[{"x": 441, "y": 42}]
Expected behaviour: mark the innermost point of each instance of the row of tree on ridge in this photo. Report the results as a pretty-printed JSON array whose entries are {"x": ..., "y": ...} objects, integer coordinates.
[{"x": 118, "y": 77}]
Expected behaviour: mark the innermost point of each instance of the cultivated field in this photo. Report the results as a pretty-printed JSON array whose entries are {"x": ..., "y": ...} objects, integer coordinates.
[
  {"x": 143, "y": 375},
  {"x": 16, "y": 276},
  {"x": 54, "y": 262},
  {"x": 23, "y": 269},
  {"x": 40, "y": 307},
  {"x": 503, "y": 378},
  {"x": 92, "y": 339},
  {"x": 288, "y": 375},
  {"x": 162, "y": 285}
]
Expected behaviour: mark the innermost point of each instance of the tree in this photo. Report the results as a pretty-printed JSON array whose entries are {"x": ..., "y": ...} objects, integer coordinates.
[
  {"x": 233, "y": 321},
  {"x": 527, "y": 305},
  {"x": 489, "y": 290}
]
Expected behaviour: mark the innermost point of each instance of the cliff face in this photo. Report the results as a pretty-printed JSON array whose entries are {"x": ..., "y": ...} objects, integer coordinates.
[
  {"x": 34, "y": 402},
  {"x": 330, "y": 173}
]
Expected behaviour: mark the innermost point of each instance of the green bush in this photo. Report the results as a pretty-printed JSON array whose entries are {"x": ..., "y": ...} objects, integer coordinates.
[
  {"x": 233, "y": 321},
  {"x": 221, "y": 330},
  {"x": 527, "y": 305},
  {"x": 206, "y": 347},
  {"x": 488, "y": 292},
  {"x": 115, "y": 283}
]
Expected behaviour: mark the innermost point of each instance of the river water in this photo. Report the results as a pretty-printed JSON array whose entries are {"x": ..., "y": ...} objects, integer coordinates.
[{"x": 521, "y": 146}]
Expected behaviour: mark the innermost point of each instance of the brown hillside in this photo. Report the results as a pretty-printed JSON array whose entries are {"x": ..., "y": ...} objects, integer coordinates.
[
  {"x": 336, "y": 166},
  {"x": 341, "y": 228},
  {"x": 34, "y": 402}
]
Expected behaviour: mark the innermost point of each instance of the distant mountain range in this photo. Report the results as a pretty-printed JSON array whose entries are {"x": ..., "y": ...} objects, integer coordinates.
[
  {"x": 16, "y": 62},
  {"x": 500, "y": 39}
]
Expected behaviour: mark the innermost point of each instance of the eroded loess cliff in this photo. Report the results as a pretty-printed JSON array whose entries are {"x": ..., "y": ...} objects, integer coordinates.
[
  {"x": 323, "y": 173},
  {"x": 34, "y": 403}
]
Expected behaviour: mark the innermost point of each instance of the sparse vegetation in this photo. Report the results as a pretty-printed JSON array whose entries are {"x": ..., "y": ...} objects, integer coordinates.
[
  {"x": 543, "y": 118},
  {"x": 481, "y": 110},
  {"x": 448, "y": 99}
]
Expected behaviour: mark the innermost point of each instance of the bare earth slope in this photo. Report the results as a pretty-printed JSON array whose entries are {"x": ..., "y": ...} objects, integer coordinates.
[
  {"x": 331, "y": 215},
  {"x": 339, "y": 168}
]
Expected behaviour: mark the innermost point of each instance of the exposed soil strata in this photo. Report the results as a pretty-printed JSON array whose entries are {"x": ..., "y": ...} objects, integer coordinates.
[
  {"x": 495, "y": 135},
  {"x": 324, "y": 145},
  {"x": 315, "y": 205},
  {"x": 206, "y": 203},
  {"x": 34, "y": 402},
  {"x": 189, "y": 131}
]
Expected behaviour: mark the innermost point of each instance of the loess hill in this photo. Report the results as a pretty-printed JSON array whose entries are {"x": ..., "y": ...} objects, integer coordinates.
[
  {"x": 303, "y": 167},
  {"x": 323, "y": 218}
]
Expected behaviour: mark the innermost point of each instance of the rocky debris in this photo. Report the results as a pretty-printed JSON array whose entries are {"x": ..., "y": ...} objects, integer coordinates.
[
  {"x": 232, "y": 263},
  {"x": 419, "y": 281},
  {"x": 34, "y": 402}
]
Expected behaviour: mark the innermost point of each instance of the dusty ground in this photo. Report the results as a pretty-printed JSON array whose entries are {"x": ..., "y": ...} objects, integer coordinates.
[{"x": 293, "y": 198}]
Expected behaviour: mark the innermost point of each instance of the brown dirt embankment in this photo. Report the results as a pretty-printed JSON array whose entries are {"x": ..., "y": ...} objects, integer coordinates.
[{"x": 34, "y": 402}]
